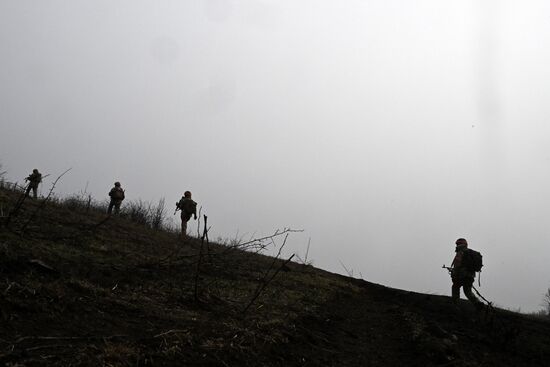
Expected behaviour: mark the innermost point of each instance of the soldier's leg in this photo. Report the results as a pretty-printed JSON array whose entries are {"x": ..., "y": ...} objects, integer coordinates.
[
  {"x": 183, "y": 227},
  {"x": 34, "y": 191},
  {"x": 110, "y": 208},
  {"x": 456, "y": 290},
  {"x": 117, "y": 207},
  {"x": 471, "y": 297},
  {"x": 28, "y": 190}
]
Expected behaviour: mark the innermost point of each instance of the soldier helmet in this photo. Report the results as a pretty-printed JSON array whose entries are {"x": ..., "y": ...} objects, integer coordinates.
[
  {"x": 35, "y": 171},
  {"x": 461, "y": 242},
  {"x": 187, "y": 194},
  {"x": 117, "y": 184}
]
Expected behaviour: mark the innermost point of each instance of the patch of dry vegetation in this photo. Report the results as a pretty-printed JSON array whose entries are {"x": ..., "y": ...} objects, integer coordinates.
[
  {"x": 125, "y": 290},
  {"x": 83, "y": 289}
]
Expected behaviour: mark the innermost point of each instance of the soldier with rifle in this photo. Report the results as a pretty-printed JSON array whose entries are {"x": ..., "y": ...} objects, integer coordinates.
[
  {"x": 188, "y": 208},
  {"x": 462, "y": 270},
  {"x": 34, "y": 179}
]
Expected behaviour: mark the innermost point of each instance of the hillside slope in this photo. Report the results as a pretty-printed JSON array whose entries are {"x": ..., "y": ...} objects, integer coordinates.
[{"x": 82, "y": 290}]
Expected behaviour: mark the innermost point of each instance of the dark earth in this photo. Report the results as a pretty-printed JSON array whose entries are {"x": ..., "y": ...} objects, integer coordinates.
[{"x": 78, "y": 288}]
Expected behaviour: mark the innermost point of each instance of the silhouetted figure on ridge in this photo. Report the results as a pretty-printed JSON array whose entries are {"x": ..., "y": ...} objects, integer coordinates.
[
  {"x": 117, "y": 196},
  {"x": 463, "y": 272},
  {"x": 35, "y": 178},
  {"x": 188, "y": 208}
]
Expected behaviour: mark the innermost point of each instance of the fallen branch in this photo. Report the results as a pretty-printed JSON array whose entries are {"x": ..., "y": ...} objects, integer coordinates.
[
  {"x": 257, "y": 243},
  {"x": 42, "y": 266},
  {"x": 173, "y": 331},
  {"x": 277, "y": 233}
]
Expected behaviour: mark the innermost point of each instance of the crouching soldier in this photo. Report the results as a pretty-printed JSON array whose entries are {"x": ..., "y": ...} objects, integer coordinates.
[
  {"x": 463, "y": 271},
  {"x": 34, "y": 179},
  {"x": 188, "y": 208},
  {"x": 117, "y": 196}
]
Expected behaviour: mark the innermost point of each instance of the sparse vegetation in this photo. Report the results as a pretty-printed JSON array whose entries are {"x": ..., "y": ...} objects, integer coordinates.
[
  {"x": 2, "y": 173},
  {"x": 84, "y": 289},
  {"x": 138, "y": 211}
]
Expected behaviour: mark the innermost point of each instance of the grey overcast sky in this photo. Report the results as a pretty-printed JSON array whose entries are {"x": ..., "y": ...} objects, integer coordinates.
[{"x": 385, "y": 129}]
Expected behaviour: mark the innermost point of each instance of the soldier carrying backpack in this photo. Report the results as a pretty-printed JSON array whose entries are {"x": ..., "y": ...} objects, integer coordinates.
[
  {"x": 117, "y": 196},
  {"x": 463, "y": 271},
  {"x": 188, "y": 208}
]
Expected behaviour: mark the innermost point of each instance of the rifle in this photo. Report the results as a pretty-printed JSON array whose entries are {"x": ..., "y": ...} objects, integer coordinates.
[
  {"x": 177, "y": 207},
  {"x": 449, "y": 269},
  {"x": 27, "y": 178}
]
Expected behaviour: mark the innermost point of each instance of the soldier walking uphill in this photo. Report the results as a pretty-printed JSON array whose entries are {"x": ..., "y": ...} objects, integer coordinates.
[
  {"x": 117, "y": 196},
  {"x": 463, "y": 271},
  {"x": 188, "y": 208},
  {"x": 34, "y": 180}
]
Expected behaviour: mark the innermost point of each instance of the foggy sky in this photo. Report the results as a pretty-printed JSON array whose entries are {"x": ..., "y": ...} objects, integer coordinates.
[{"x": 384, "y": 129}]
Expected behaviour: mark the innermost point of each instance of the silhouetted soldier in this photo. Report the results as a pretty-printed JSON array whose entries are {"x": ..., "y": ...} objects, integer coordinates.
[
  {"x": 117, "y": 195},
  {"x": 34, "y": 180},
  {"x": 461, "y": 275},
  {"x": 188, "y": 208}
]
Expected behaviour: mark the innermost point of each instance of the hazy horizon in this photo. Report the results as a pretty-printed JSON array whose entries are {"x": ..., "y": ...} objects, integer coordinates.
[{"x": 384, "y": 129}]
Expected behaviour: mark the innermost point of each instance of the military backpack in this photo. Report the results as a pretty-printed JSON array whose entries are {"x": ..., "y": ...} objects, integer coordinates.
[
  {"x": 187, "y": 206},
  {"x": 472, "y": 260},
  {"x": 117, "y": 194}
]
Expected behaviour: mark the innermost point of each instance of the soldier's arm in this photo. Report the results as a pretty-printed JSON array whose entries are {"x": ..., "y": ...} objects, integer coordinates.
[{"x": 454, "y": 262}]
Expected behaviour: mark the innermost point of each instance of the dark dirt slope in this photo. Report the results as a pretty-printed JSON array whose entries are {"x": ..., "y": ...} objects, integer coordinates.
[{"x": 77, "y": 290}]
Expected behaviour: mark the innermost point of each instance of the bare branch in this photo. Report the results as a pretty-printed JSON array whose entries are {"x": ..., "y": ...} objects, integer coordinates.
[
  {"x": 199, "y": 262},
  {"x": 265, "y": 284},
  {"x": 349, "y": 272}
]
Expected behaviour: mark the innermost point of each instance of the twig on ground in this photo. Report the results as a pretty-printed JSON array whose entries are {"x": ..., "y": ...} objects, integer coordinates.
[
  {"x": 349, "y": 272},
  {"x": 304, "y": 260},
  {"x": 173, "y": 331}
]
